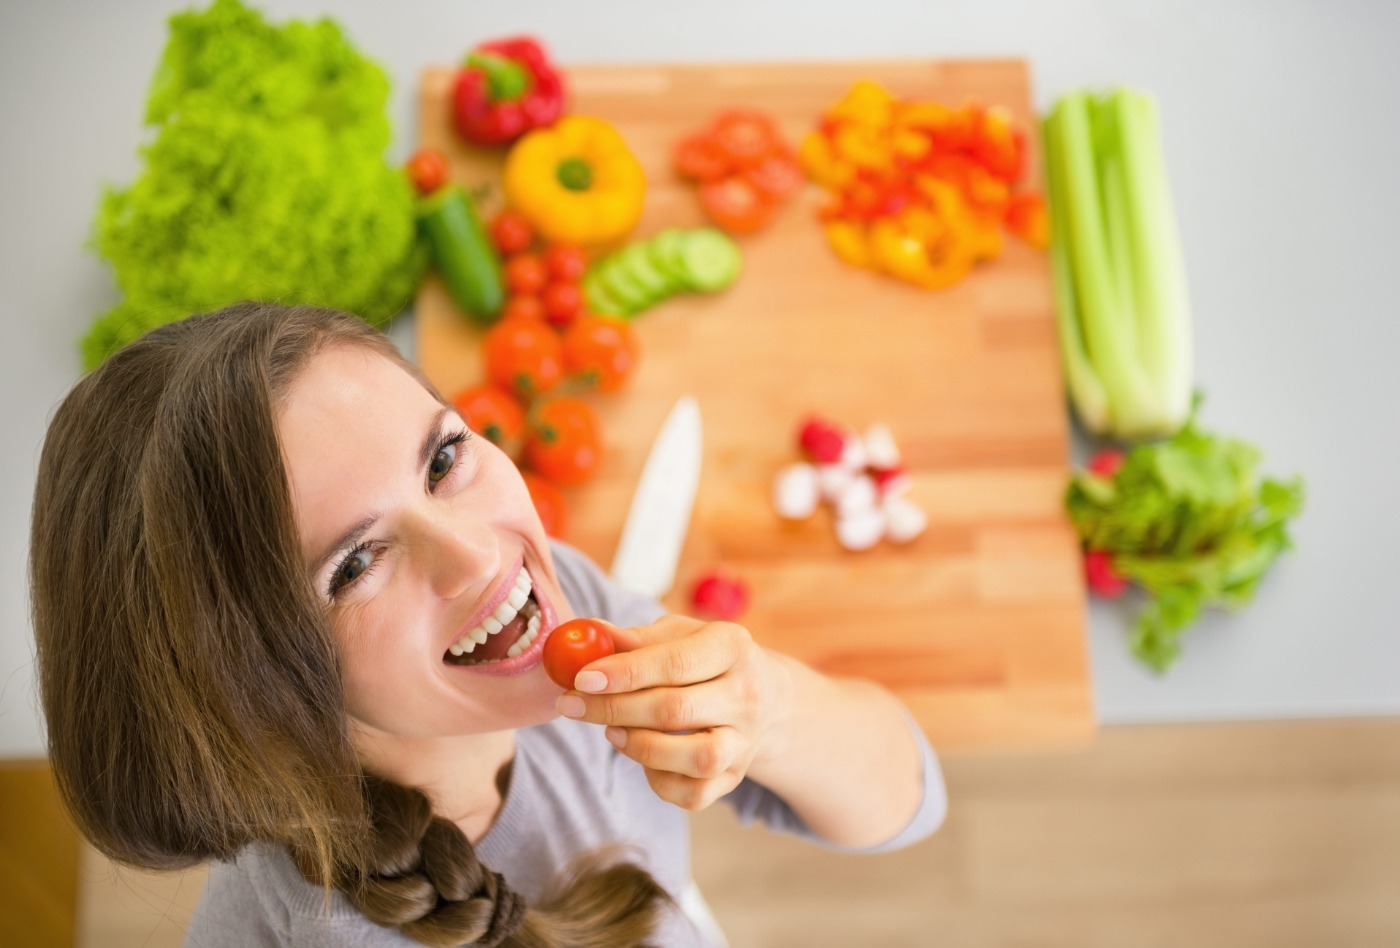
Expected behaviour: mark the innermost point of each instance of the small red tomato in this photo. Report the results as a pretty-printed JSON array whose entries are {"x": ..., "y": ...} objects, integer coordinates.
[
  {"x": 720, "y": 595},
  {"x": 523, "y": 356},
  {"x": 549, "y": 503},
  {"x": 574, "y": 644},
  {"x": 601, "y": 351},
  {"x": 523, "y": 307},
  {"x": 492, "y": 412},
  {"x": 525, "y": 274},
  {"x": 511, "y": 233},
  {"x": 565, "y": 264},
  {"x": 1106, "y": 463},
  {"x": 1103, "y": 579},
  {"x": 566, "y": 440},
  {"x": 562, "y": 302},
  {"x": 427, "y": 169}
]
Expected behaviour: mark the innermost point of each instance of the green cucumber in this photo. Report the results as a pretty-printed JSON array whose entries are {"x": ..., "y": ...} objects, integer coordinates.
[
  {"x": 665, "y": 252},
  {"x": 636, "y": 260},
  {"x": 463, "y": 253},
  {"x": 599, "y": 300},
  {"x": 622, "y": 286},
  {"x": 709, "y": 259}
]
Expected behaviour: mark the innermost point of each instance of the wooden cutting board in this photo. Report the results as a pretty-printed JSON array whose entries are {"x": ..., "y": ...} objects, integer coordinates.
[{"x": 979, "y": 625}]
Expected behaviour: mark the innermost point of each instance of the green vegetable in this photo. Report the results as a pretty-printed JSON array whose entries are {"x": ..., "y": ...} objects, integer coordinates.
[
  {"x": 1121, "y": 296},
  {"x": 1191, "y": 522},
  {"x": 464, "y": 254},
  {"x": 648, "y": 272},
  {"x": 266, "y": 179}
]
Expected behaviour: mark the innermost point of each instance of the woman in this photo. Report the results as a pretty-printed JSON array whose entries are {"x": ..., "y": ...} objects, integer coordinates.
[{"x": 289, "y": 616}]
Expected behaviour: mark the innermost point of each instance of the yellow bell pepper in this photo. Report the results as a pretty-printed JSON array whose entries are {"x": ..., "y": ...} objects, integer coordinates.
[{"x": 576, "y": 181}]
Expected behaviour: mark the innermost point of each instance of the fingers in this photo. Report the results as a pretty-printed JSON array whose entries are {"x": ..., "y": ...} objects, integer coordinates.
[
  {"x": 704, "y": 755},
  {"x": 679, "y": 652},
  {"x": 662, "y": 709}
]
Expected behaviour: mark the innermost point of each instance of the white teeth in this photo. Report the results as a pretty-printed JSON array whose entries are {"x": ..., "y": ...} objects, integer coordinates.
[{"x": 516, "y": 601}]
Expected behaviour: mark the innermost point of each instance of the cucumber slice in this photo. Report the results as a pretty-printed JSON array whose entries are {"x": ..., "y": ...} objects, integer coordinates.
[
  {"x": 622, "y": 286},
  {"x": 710, "y": 260},
  {"x": 599, "y": 300},
  {"x": 636, "y": 260},
  {"x": 665, "y": 252}
]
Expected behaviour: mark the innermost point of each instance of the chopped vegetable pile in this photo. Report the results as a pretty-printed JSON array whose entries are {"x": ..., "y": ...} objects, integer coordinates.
[
  {"x": 266, "y": 180},
  {"x": 1190, "y": 521}
]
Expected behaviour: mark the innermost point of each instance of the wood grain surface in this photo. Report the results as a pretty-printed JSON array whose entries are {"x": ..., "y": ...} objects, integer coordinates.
[{"x": 979, "y": 625}]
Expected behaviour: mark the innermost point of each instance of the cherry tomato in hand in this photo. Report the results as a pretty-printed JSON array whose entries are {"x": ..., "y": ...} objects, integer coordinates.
[
  {"x": 549, "y": 504},
  {"x": 427, "y": 169},
  {"x": 522, "y": 306},
  {"x": 523, "y": 356},
  {"x": 601, "y": 350},
  {"x": 492, "y": 412},
  {"x": 526, "y": 274},
  {"x": 511, "y": 233},
  {"x": 736, "y": 205},
  {"x": 566, "y": 444},
  {"x": 562, "y": 303},
  {"x": 574, "y": 644},
  {"x": 565, "y": 264}
]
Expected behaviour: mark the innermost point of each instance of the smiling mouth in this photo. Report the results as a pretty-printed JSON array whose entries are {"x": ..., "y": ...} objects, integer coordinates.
[{"x": 504, "y": 634}]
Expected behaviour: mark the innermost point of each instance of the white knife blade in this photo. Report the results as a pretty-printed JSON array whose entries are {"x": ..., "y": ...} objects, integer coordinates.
[{"x": 652, "y": 537}]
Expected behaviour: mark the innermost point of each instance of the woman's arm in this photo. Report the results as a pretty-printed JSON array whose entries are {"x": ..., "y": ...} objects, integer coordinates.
[{"x": 701, "y": 706}]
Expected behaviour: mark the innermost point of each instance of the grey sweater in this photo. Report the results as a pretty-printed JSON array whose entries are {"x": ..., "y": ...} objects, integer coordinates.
[{"x": 569, "y": 792}]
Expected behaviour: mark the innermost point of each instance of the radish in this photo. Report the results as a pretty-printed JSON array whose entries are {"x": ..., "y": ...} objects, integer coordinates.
[
  {"x": 858, "y": 494},
  {"x": 880, "y": 448},
  {"x": 861, "y": 530},
  {"x": 1103, "y": 579},
  {"x": 720, "y": 595},
  {"x": 796, "y": 491},
  {"x": 904, "y": 520},
  {"x": 822, "y": 441}
]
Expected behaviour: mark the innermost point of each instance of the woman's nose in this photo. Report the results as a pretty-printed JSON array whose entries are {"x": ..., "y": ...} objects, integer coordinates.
[{"x": 455, "y": 556}]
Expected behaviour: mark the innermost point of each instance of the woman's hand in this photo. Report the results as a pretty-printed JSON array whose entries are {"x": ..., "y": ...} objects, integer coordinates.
[{"x": 693, "y": 702}]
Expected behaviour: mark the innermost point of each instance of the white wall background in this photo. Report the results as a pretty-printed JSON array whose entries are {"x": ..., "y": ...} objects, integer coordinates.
[{"x": 1282, "y": 126}]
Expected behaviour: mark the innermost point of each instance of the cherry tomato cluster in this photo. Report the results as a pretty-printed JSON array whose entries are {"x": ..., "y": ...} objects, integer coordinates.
[
  {"x": 744, "y": 169},
  {"x": 543, "y": 352}
]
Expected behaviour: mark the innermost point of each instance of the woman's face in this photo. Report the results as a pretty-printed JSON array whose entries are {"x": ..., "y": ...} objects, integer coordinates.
[{"x": 416, "y": 536}]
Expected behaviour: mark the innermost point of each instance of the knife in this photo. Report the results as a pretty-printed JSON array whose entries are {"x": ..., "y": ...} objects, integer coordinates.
[{"x": 654, "y": 532}]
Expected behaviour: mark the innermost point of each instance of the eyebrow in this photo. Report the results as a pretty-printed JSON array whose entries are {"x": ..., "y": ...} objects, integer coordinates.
[{"x": 361, "y": 527}]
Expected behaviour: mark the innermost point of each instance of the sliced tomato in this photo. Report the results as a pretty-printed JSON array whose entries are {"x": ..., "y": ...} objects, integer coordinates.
[
  {"x": 777, "y": 176},
  {"x": 745, "y": 135},
  {"x": 736, "y": 205},
  {"x": 701, "y": 158}
]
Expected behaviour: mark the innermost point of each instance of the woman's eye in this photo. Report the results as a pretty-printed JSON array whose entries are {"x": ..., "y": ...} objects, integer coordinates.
[
  {"x": 442, "y": 462},
  {"x": 352, "y": 568}
]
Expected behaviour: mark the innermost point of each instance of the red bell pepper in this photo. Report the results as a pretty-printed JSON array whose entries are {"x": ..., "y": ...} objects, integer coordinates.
[{"x": 504, "y": 89}]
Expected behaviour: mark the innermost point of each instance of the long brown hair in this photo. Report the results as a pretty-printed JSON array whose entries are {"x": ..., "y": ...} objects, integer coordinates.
[{"x": 189, "y": 677}]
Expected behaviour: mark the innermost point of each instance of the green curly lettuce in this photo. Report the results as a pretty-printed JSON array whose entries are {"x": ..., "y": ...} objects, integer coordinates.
[
  {"x": 1191, "y": 522},
  {"x": 266, "y": 180}
]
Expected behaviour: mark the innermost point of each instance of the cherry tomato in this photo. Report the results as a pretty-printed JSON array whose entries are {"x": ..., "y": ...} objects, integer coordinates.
[
  {"x": 745, "y": 135},
  {"x": 549, "y": 503},
  {"x": 562, "y": 302},
  {"x": 523, "y": 306},
  {"x": 512, "y": 233},
  {"x": 492, "y": 412},
  {"x": 574, "y": 644},
  {"x": 777, "y": 176},
  {"x": 736, "y": 205},
  {"x": 526, "y": 274},
  {"x": 523, "y": 356},
  {"x": 565, "y": 264},
  {"x": 601, "y": 350},
  {"x": 720, "y": 595},
  {"x": 427, "y": 169},
  {"x": 566, "y": 441},
  {"x": 700, "y": 157}
]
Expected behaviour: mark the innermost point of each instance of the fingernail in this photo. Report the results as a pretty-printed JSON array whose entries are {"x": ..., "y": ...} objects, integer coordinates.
[
  {"x": 590, "y": 681},
  {"x": 571, "y": 706},
  {"x": 616, "y": 736}
]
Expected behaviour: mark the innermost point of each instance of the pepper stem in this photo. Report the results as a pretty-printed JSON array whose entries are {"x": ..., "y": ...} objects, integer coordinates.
[
  {"x": 506, "y": 79},
  {"x": 575, "y": 174}
]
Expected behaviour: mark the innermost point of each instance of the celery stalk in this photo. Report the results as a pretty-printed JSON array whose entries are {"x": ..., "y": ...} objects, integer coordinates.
[{"x": 1124, "y": 317}]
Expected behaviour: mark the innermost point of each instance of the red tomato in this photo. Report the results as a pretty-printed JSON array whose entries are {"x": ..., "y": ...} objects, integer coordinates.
[
  {"x": 492, "y": 412},
  {"x": 526, "y": 274},
  {"x": 523, "y": 356},
  {"x": 565, "y": 264},
  {"x": 574, "y": 644},
  {"x": 745, "y": 135},
  {"x": 777, "y": 176},
  {"x": 562, "y": 302},
  {"x": 549, "y": 503},
  {"x": 566, "y": 443},
  {"x": 511, "y": 233},
  {"x": 701, "y": 158},
  {"x": 720, "y": 595},
  {"x": 523, "y": 307},
  {"x": 601, "y": 350},
  {"x": 427, "y": 169},
  {"x": 736, "y": 205}
]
